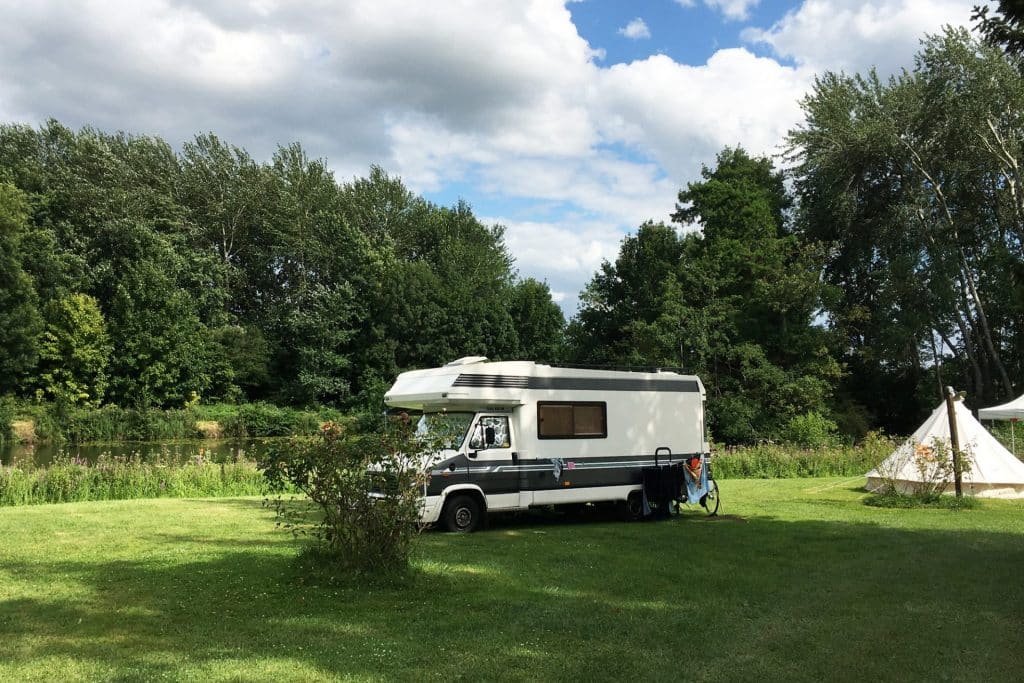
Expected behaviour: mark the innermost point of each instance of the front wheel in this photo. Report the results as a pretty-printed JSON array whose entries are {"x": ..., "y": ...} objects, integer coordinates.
[
  {"x": 462, "y": 514},
  {"x": 710, "y": 501}
]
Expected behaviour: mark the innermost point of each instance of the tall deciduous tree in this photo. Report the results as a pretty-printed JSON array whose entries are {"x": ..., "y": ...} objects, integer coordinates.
[
  {"x": 735, "y": 302},
  {"x": 1004, "y": 27},
  {"x": 914, "y": 188},
  {"x": 74, "y": 351},
  {"x": 20, "y": 322},
  {"x": 538, "y": 321}
]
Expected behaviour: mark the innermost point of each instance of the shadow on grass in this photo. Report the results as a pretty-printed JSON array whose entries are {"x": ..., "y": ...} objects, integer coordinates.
[{"x": 769, "y": 599}]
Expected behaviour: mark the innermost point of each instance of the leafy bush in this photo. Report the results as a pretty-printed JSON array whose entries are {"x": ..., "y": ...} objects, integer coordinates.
[
  {"x": 811, "y": 430},
  {"x": 933, "y": 465},
  {"x": 264, "y": 419},
  {"x": 61, "y": 422},
  {"x": 365, "y": 487},
  {"x": 72, "y": 480}
]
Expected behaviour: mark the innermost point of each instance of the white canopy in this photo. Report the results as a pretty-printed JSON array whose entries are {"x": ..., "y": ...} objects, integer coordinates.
[
  {"x": 1014, "y": 410},
  {"x": 994, "y": 472}
]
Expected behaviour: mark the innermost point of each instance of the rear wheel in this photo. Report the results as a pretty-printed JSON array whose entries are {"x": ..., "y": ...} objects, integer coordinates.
[
  {"x": 710, "y": 500},
  {"x": 462, "y": 514},
  {"x": 635, "y": 505}
]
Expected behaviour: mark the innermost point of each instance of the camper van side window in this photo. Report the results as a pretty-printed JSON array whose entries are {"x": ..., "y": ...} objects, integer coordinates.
[{"x": 572, "y": 420}]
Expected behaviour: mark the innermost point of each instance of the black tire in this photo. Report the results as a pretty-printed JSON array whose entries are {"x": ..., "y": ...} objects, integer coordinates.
[
  {"x": 634, "y": 507},
  {"x": 462, "y": 514},
  {"x": 710, "y": 500}
]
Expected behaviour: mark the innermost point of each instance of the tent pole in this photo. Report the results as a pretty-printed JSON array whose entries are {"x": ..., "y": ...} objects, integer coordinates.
[{"x": 954, "y": 437}]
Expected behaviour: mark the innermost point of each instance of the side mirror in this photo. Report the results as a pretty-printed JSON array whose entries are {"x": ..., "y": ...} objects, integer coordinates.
[{"x": 476, "y": 442}]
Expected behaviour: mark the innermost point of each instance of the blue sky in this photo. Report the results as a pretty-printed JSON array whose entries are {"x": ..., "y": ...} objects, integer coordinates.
[{"x": 568, "y": 123}]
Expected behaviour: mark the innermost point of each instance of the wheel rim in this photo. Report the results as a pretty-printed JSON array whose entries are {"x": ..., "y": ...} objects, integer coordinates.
[{"x": 463, "y": 517}]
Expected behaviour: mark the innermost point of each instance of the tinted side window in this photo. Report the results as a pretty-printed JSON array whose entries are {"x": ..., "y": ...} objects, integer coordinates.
[{"x": 556, "y": 420}]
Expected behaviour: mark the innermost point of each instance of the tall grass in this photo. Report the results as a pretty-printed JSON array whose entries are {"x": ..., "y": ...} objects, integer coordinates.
[
  {"x": 72, "y": 480},
  {"x": 784, "y": 461},
  {"x": 57, "y": 423}
]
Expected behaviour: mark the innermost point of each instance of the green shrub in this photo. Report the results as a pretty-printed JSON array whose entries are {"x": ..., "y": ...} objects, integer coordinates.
[
  {"x": 264, "y": 419},
  {"x": 365, "y": 489},
  {"x": 60, "y": 422},
  {"x": 811, "y": 430}
]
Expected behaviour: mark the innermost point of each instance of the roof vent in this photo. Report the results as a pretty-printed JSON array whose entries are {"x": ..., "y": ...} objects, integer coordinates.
[{"x": 468, "y": 360}]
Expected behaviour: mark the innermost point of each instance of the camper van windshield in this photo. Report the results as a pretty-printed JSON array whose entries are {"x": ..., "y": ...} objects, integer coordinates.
[{"x": 449, "y": 428}]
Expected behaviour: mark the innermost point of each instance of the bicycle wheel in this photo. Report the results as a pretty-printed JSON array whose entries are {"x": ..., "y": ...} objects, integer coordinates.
[{"x": 710, "y": 501}]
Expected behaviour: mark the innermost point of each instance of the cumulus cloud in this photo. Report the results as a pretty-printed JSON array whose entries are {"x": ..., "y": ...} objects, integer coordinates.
[
  {"x": 838, "y": 35},
  {"x": 731, "y": 9},
  {"x": 504, "y": 97},
  {"x": 565, "y": 253},
  {"x": 635, "y": 29}
]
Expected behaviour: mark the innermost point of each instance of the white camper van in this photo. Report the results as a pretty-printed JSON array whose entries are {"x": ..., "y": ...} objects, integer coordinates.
[{"x": 523, "y": 434}]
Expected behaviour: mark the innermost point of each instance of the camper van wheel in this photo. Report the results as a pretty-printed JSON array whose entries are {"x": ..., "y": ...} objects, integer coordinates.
[
  {"x": 462, "y": 514},
  {"x": 710, "y": 499},
  {"x": 635, "y": 506}
]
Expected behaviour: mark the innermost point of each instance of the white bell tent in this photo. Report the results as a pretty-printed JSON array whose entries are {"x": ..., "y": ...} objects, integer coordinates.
[
  {"x": 1012, "y": 411},
  {"x": 993, "y": 473}
]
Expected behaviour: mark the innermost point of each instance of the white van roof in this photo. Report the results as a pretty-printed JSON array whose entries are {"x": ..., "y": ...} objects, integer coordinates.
[{"x": 475, "y": 382}]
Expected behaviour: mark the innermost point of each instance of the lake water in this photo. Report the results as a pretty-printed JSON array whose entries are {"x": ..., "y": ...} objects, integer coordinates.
[{"x": 170, "y": 451}]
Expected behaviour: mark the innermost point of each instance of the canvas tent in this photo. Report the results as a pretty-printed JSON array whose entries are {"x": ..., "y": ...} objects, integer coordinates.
[{"x": 994, "y": 472}]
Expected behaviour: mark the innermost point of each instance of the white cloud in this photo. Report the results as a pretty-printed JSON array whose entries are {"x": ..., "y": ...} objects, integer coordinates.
[
  {"x": 683, "y": 115},
  {"x": 840, "y": 35},
  {"x": 565, "y": 253},
  {"x": 733, "y": 9},
  {"x": 504, "y": 97},
  {"x": 635, "y": 30}
]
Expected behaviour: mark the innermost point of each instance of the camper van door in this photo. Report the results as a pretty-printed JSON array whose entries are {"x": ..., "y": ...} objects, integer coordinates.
[{"x": 491, "y": 448}]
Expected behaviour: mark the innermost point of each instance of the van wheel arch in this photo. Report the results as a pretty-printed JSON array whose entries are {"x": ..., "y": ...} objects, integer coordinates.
[{"x": 464, "y": 511}]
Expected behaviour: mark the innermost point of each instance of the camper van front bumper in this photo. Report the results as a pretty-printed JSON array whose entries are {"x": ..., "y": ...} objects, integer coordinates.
[{"x": 430, "y": 511}]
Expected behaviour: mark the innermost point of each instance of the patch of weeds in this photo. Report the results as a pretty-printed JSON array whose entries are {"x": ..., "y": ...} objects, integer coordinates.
[{"x": 904, "y": 501}]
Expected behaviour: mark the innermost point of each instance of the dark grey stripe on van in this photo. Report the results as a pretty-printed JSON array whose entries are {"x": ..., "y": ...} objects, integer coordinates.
[{"x": 576, "y": 383}]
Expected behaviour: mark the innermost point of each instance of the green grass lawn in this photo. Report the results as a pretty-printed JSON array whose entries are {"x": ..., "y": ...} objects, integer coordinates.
[{"x": 797, "y": 580}]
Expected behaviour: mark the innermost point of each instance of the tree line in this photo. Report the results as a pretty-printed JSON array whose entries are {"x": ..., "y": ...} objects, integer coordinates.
[
  {"x": 841, "y": 293},
  {"x": 141, "y": 276}
]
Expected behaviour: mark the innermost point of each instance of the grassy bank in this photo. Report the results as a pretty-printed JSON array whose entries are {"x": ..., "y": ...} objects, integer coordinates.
[
  {"x": 798, "y": 580},
  {"x": 780, "y": 461},
  {"x": 120, "y": 479},
  {"x": 62, "y": 424}
]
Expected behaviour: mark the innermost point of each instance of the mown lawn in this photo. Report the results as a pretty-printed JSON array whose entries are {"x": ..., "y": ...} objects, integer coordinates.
[{"x": 798, "y": 580}]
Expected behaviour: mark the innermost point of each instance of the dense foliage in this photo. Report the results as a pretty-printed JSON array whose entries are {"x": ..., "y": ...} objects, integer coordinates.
[
  {"x": 136, "y": 275},
  {"x": 912, "y": 188},
  {"x": 734, "y": 302},
  {"x": 817, "y": 304}
]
